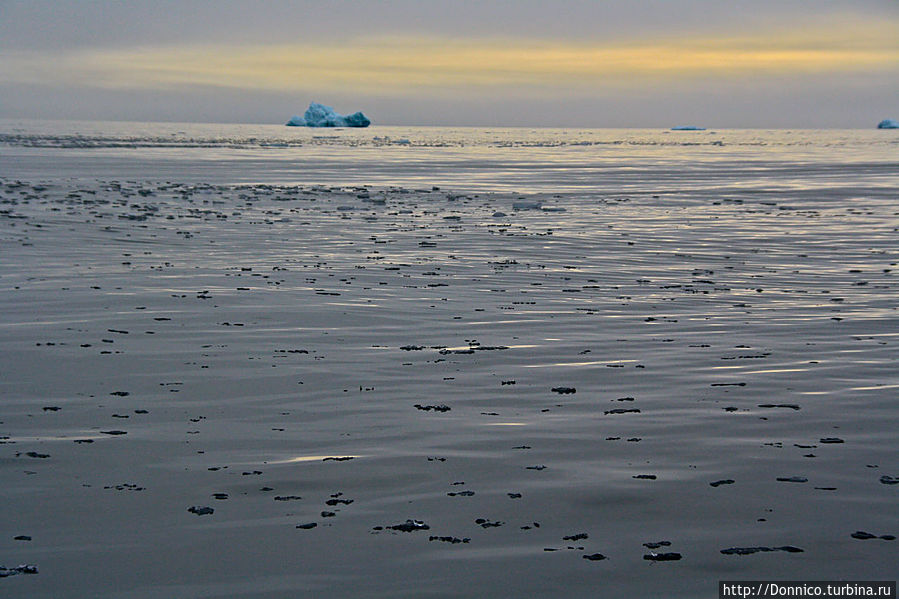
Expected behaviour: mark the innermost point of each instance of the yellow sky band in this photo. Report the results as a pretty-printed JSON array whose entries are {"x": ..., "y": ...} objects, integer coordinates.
[{"x": 403, "y": 63}]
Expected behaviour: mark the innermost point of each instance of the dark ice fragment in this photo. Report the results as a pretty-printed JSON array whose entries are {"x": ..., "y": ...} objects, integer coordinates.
[
  {"x": 662, "y": 557},
  {"x": 410, "y": 526},
  {"x": 437, "y": 408},
  {"x": 200, "y": 510},
  {"x": 594, "y": 557}
]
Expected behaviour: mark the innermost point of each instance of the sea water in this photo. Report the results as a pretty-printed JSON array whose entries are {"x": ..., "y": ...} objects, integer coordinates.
[
  {"x": 722, "y": 303},
  {"x": 523, "y": 160}
]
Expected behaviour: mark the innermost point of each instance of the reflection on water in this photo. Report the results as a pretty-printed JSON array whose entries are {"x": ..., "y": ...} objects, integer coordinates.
[{"x": 310, "y": 458}]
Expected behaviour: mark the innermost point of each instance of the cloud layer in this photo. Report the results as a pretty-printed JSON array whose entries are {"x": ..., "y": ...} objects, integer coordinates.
[{"x": 410, "y": 65}]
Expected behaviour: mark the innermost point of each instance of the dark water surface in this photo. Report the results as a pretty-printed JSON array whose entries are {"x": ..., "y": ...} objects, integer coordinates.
[{"x": 725, "y": 314}]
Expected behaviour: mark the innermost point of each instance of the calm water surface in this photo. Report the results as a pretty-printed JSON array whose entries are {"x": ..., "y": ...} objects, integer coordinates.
[
  {"x": 724, "y": 303},
  {"x": 484, "y": 159}
]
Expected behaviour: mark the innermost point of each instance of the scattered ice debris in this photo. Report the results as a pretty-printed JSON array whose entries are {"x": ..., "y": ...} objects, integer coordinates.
[
  {"x": 864, "y": 536},
  {"x": 594, "y": 557},
  {"x": 437, "y": 408},
  {"x": 662, "y": 557},
  {"x": 410, "y": 526},
  {"x": 453, "y": 540},
  {"x": 657, "y": 544},
  {"x": 23, "y": 569},
  {"x": 564, "y": 390},
  {"x": 34, "y": 454},
  {"x": 125, "y": 487},
  {"x": 486, "y": 523},
  {"x": 333, "y": 502},
  {"x": 319, "y": 115},
  {"x": 200, "y": 510}
]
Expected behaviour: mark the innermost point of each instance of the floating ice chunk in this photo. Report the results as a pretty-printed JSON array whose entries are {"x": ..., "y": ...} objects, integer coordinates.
[
  {"x": 688, "y": 128},
  {"x": 526, "y": 206},
  {"x": 888, "y": 124},
  {"x": 319, "y": 115}
]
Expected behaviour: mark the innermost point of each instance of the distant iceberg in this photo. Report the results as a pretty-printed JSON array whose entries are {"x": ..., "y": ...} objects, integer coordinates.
[
  {"x": 319, "y": 115},
  {"x": 688, "y": 128},
  {"x": 888, "y": 124}
]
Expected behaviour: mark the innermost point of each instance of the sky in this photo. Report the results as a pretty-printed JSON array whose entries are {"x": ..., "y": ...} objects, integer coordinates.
[{"x": 565, "y": 63}]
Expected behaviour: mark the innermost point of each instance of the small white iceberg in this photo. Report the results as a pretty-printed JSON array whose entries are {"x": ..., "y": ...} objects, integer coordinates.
[
  {"x": 319, "y": 115},
  {"x": 888, "y": 124}
]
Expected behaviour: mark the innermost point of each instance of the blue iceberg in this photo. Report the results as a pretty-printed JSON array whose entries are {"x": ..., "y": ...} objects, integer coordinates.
[
  {"x": 888, "y": 124},
  {"x": 319, "y": 115},
  {"x": 688, "y": 128}
]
